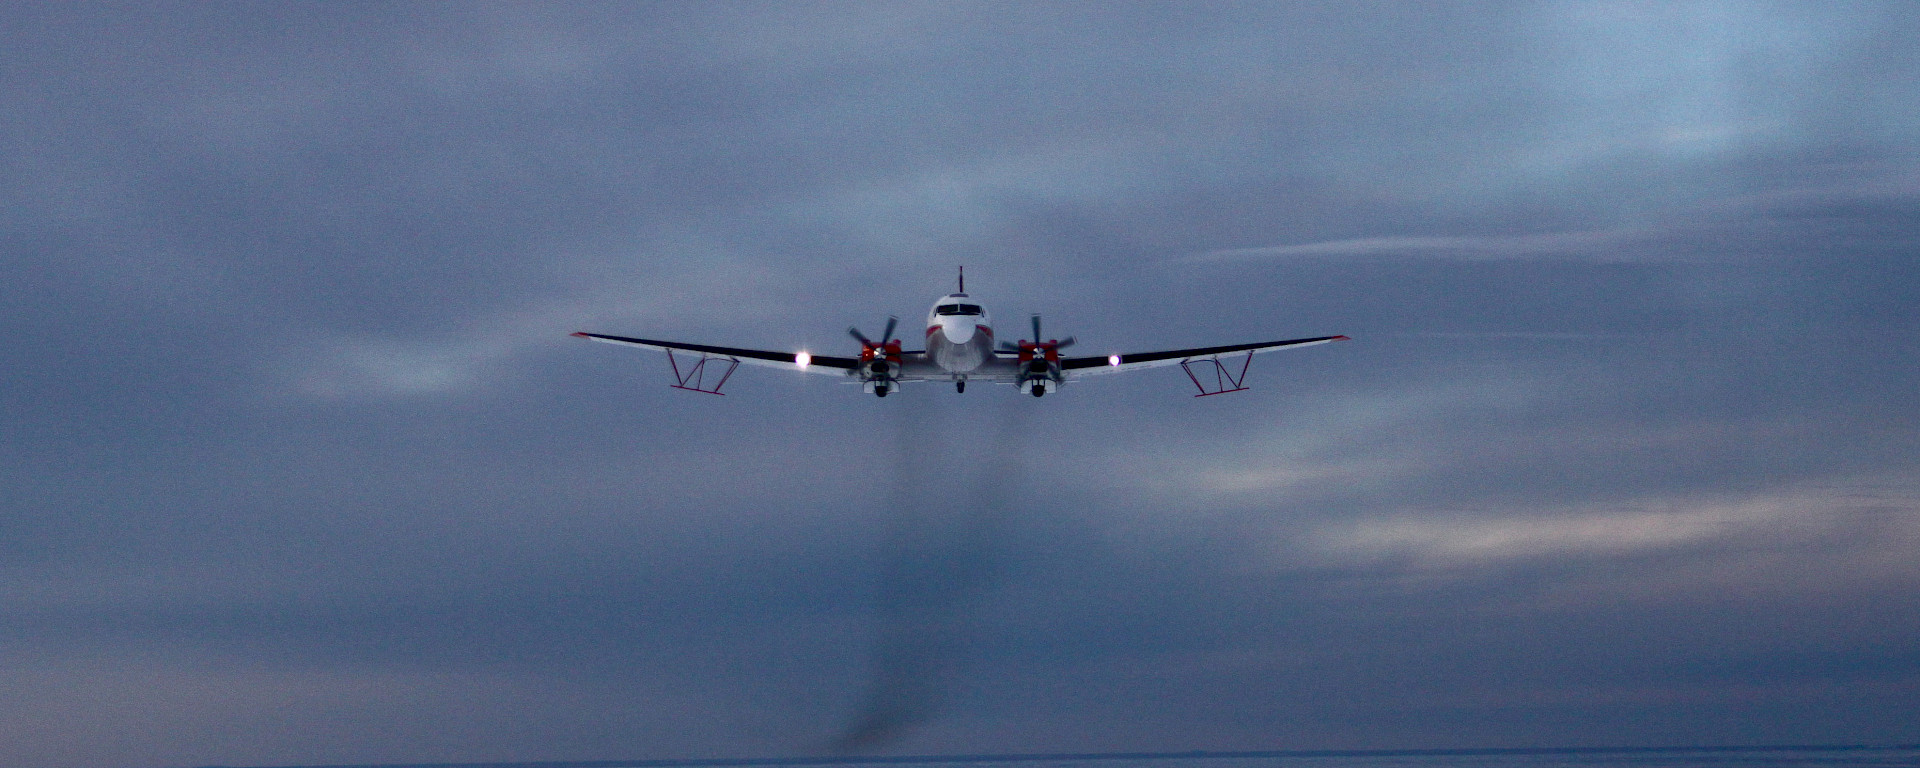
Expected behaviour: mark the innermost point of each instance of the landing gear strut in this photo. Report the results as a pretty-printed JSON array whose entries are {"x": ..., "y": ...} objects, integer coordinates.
[{"x": 960, "y": 386}]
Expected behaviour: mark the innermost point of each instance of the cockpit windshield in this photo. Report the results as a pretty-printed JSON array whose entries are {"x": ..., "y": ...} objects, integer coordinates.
[{"x": 958, "y": 309}]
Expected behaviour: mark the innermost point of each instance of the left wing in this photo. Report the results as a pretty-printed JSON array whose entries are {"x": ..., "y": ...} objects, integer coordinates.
[
  {"x": 1092, "y": 366},
  {"x": 790, "y": 360}
]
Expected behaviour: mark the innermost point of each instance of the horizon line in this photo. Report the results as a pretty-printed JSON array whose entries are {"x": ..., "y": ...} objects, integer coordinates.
[{"x": 1021, "y": 757}]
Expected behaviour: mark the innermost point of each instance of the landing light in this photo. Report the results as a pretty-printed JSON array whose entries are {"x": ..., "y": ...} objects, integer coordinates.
[
  {"x": 801, "y": 359},
  {"x": 1113, "y": 360}
]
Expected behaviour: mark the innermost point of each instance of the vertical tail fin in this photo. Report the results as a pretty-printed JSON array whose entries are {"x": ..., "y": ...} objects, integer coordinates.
[{"x": 963, "y": 278}]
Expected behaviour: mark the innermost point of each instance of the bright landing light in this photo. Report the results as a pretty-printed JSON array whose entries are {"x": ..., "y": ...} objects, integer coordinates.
[
  {"x": 1113, "y": 360},
  {"x": 801, "y": 359}
]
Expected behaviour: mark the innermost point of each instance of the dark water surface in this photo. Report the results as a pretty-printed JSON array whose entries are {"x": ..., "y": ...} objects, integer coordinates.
[{"x": 1663, "y": 757}]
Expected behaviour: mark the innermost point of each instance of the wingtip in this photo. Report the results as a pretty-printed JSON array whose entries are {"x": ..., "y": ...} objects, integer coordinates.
[
  {"x": 1336, "y": 338},
  {"x": 581, "y": 334}
]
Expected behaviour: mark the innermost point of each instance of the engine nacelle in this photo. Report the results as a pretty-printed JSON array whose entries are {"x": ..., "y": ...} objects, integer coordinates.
[
  {"x": 1039, "y": 376},
  {"x": 879, "y": 377}
]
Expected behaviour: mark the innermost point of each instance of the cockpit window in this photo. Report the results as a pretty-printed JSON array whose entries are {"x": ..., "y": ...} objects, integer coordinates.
[{"x": 958, "y": 309}]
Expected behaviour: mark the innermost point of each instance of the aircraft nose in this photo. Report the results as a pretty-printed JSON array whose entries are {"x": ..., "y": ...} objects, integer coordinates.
[{"x": 958, "y": 330}]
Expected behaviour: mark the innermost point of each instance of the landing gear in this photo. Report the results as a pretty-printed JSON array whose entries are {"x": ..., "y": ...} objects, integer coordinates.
[
  {"x": 960, "y": 386},
  {"x": 1038, "y": 391},
  {"x": 880, "y": 391}
]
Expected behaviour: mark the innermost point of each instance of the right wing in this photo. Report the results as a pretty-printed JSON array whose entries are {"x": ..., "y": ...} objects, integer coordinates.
[
  {"x": 1090, "y": 366},
  {"x": 788, "y": 360}
]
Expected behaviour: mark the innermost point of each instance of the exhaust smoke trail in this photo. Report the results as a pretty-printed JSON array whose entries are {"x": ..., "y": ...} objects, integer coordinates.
[{"x": 953, "y": 488}]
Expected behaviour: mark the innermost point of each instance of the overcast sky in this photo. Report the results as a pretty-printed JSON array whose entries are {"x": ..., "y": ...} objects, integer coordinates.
[{"x": 299, "y": 465}]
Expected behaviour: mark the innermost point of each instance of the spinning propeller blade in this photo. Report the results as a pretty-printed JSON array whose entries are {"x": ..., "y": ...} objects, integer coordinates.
[
  {"x": 1055, "y": 345},
  {"x": 886, "y": 337}
]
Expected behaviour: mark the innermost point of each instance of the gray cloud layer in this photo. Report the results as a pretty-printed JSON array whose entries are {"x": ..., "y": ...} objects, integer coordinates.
[{"x": 301, "y": 467}]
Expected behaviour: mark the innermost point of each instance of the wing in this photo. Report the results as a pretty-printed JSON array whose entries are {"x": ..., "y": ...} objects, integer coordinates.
[
  {"x": 1092, "y": 366},
  {"x": 790, "y": 360}
]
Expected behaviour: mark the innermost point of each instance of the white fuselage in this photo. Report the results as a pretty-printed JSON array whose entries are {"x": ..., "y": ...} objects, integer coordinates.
[{"x": 959, "y": 335}]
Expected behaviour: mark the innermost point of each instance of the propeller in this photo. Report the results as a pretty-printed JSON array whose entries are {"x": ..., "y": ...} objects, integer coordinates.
[
  {"x": 887, "y": 346},
  {"x": 879, "y": 361},
  {"x": 1029, "y": 349}
]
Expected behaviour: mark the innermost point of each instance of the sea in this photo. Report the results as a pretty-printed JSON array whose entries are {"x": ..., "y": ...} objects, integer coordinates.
[{"x": 1854, "y": 756}]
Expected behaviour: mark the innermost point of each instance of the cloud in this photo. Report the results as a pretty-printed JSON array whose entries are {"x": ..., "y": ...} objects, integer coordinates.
[
  {"x": 1602, "y": 244},
  {"x": 1442, "y": 539},
  {"x": 1733, "y": 228},
  {"x": 296, "y": 427}
]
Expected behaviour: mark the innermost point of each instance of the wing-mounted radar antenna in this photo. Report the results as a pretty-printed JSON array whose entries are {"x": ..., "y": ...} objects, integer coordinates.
[
  {"x": 694, "y": 377},
  {"x": 1214, "y": 372}
]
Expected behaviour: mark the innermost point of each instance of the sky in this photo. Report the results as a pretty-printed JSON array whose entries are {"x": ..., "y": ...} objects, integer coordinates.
[{"x": 298, "y": 464}]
